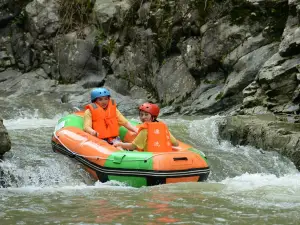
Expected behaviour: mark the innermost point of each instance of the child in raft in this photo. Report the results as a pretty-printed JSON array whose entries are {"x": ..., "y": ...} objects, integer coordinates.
[
  {"x": 102, "y": 118},
  {"x": 153, "y": 135}
]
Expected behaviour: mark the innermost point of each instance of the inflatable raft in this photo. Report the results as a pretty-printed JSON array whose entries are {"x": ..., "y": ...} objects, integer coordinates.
[{"x": 105, "y": 162}]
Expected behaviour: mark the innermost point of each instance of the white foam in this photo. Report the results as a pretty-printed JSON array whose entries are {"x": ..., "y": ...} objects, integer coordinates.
[
  {"x": 255, "y": 181},
  {"x": 31, "y": 121},
  {"x": 206, "y": 130}
]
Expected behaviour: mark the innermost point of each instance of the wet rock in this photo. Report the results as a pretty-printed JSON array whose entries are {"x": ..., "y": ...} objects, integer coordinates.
[
  {"x": 269, "y": 132},
  {"x": 139, "y": 61},
  {"x": 5, "y": 143}
]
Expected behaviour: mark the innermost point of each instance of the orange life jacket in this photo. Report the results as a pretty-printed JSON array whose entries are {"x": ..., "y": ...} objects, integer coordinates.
[
  {"x": 158, "y": 137},
  {"x": 105, "y": 122}
]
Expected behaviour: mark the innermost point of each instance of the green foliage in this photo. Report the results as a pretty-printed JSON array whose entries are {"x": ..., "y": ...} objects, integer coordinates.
[
  {"x": 19, "y": 20},
  {"x": 74, "y": 14},
  {"x": 108, "y": 43},
  {"x": 206, "y": 81},
  {"x": 219, "y": 96}
]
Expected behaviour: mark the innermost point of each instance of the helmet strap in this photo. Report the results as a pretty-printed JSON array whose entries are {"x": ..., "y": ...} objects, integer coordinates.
[{"x": 154, "y": 118}]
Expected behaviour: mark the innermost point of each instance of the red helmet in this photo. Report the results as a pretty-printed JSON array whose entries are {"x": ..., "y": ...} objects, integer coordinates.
[{"x": 151, "y": 108}]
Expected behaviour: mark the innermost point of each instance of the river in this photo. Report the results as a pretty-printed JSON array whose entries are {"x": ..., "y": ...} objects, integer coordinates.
[{"x": 246, "y": 185}]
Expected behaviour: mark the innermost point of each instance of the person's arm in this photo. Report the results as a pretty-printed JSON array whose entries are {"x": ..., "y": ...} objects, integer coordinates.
[
  {"x": 128, "y": 146},
  {"x": 138, "y": 143},
  {"x": 130, "y": 127},
  {"x": 122, "y": 121},
  {"x": 174, "y": 142},
  {"x": 87, "y": 123}
]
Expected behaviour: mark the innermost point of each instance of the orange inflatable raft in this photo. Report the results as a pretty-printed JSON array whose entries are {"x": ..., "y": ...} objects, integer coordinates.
[{"x": 105, "y": 162}]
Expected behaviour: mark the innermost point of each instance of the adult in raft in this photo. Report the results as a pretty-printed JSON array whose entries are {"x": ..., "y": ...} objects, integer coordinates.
[
  {"x": 102, "y": 118},
  {"x": 153, "y": 135}
]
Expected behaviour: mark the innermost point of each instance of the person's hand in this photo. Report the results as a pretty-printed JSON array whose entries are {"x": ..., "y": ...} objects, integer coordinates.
[
  {"x": 94, "y": 133},
  {"x": 136, "y": 130},
  {"x": 117, "y": 144}
]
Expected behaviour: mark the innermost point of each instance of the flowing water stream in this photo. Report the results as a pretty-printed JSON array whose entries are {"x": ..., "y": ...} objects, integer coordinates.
[{"x": 246, "y": 185}]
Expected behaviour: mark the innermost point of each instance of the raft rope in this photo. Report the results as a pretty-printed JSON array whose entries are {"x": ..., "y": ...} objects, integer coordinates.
[{"x": 99, "y": 157}]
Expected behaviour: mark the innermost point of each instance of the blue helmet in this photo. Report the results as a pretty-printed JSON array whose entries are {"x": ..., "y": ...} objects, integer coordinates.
[{"x": 99, "y": 92}]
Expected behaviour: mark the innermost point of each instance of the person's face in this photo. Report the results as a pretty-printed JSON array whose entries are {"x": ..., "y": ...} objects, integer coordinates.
[
  {"x": 103, "y": 101},
  {"x": 145, "y": 117}
]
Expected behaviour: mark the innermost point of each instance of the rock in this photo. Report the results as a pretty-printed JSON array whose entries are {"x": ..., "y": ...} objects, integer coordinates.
[
  {"x": 118, "y": 84},
  {"x": 245, "y": 72},
  {"x": 5, "y": 143},
  {"x": 177, "y": 87},
  {"x": 249, "y": 45},
  {"x": 217, "y": 42},
  {"x": 290, "y": 45},
  {"x": 78, "y": 60},
  {"x": 109, "y": 14},
  {"x": 24, "y": 54},
  {"x": 191, "y": 51},
  {"x": 43, "y": 17},
  {"x": 266, "y": 132}
]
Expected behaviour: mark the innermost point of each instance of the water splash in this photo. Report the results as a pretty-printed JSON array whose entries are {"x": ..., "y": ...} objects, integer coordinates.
[
  {"x": 206, "y": 131},
  {"x": 263, "y": 190},
  {"x": 230, "y": 161},
  {"x": 31, "y": 121}
]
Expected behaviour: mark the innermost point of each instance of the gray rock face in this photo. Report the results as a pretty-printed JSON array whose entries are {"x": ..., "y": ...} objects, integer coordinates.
[
  {"x": 175, "y": 87},
  {"x": 26, "y": 57},
  {"x": 276, "y": 87},
  {"x": 249, "y": 45},
  {"x": 5, "y": 15},
  {"x": 6, "y": 54},
  {"x": 290, "y": 45},
  {"x": 110, "y": 14},
  {"x": 43, "y": 17},
  {"x": 218, "y": 40},
  {"x": 246, "y": 68},
  {"x": 139, "y": 62},
  {"x": 77, "y": 61}
]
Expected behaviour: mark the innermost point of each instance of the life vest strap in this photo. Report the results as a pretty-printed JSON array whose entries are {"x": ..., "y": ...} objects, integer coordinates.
[{"x": 94, "y": 105}]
